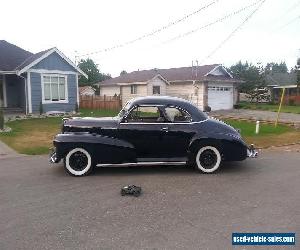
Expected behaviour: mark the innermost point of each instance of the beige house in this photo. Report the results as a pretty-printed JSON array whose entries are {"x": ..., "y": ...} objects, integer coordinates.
[
  {"x": 210, "y": 85},
  {"x": 86, "y": 90}
]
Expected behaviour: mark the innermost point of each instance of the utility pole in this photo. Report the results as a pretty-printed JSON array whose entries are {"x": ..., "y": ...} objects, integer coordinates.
[{"x": 76, "y": 57}]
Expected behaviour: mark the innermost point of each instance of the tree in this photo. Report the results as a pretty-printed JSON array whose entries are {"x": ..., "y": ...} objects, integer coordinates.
[
  {"x": 89, "y": 67},
  {"x": 123, "y": 72},
  {"x": 254, "y": 85},
  {"x": 276, "y": 68},
  {"x": 298, "y": 72},
  {"x": 251, "y": 74}
]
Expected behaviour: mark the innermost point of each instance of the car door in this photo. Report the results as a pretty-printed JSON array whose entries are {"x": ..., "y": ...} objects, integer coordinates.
[
  {"x": 144, "y": 127},
  {"x": 179, "y": 133}
]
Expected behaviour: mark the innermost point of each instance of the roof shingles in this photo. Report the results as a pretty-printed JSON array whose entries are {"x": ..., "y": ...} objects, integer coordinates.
[
  {"x": 11, "y": 56},
  {"x": 173, "y": 74}
]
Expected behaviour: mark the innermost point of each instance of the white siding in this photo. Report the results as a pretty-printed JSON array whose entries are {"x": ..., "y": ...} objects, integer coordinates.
[
  {"x": 217, "y": 72},
  {"x": 156, "y": 82},
  {"x": 187, "y": 91},
  {"x": 126, "y": 92},
  {"x": 109, "y": 90}
]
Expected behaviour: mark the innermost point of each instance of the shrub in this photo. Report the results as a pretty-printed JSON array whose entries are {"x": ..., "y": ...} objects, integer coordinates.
[
  {"x": 76, "y": 107},
  {"x": 291, "y": 102},
  {"x": 41, "y": 108},
  {"x": 207, "y": 109},
  {"x": 1, "y": 119},
  {"x": 237, "y": 106}
]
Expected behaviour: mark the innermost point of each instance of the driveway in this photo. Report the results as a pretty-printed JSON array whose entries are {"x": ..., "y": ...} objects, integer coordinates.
[
  {"x": 258, "y": 115},
  {"x": 43, "y": 208},
  {"x": 7, "y": 152}
]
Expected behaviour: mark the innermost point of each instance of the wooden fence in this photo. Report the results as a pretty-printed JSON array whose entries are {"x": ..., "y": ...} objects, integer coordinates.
[{"x": 101, "y": 102}]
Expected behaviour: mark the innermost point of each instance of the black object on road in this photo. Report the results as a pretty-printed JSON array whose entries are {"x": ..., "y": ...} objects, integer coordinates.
[{"x": 131, "y": 190}]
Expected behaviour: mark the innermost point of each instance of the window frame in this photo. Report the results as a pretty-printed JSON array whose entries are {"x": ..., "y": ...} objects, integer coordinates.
[
  {"x": 181, "y": 110},
  {"x": 125, "y": 118},
  {"x": 156, "y": 86},
  {"x": 159, "y": 106},
  {"x": 66, "y": 100},
  {"x": 133, "y": 89}
]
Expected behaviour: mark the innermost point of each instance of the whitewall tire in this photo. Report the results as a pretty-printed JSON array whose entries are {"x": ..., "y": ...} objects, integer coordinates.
[
  {"x": 208, "y": 159},
  {"x": 78, "y": 162}
]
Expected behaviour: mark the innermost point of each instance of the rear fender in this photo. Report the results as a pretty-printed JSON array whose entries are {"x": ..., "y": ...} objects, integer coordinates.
[{"x": 230, "y": 148}]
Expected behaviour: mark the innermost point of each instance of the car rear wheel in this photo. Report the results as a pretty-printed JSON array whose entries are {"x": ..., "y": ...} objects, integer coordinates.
[
  {"x": 78, "y": 162},
  {"x": 208, "y": 159}
]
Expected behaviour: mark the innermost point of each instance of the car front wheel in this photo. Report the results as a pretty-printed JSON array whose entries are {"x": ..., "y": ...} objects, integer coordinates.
[
  {"x": 208, "y": 159},
  {"x": 78, "y": 162}
]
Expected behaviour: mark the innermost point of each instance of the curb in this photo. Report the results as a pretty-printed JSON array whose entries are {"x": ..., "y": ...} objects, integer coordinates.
[{"x": 282, "y": 145}]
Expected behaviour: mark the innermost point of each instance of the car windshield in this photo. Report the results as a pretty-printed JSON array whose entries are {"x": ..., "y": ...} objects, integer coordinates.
[{"x": 124, "y": 110}]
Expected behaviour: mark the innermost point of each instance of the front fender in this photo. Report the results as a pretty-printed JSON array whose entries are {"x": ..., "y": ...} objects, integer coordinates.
[{"x": 102, "y": 148}]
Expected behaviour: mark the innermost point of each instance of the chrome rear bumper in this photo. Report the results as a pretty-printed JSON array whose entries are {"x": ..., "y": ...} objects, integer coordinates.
[
  {"x": 53, "y": 157},
  {"x": 252, "y": 152}
]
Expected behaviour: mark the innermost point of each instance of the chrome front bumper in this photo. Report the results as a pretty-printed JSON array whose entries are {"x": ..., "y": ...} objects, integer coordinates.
[{"x": 252, "y": 152}]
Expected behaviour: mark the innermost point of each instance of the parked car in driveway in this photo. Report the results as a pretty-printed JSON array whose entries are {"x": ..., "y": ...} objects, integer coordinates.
[{"x": 149, "y": 131}]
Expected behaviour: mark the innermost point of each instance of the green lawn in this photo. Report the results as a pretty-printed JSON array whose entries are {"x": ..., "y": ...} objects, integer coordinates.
[
  {"x": 248, "y": 128},
  {"x": 271, "y": 107},
  {"x": 268, "y": 134},
  {"x": 34, "y": 136}
]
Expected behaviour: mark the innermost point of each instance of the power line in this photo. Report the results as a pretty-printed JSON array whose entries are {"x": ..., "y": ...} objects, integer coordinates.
[
  {"x": 233, "y": 32},
  {"x": 292, "y": 7},
  {"x": 212, "y": 23},
  {"x": 288, "y": 23},
  {"x": 153, "y": 32}
]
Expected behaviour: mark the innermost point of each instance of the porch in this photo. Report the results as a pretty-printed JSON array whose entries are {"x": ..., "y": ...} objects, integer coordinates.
[{"x": 12, "y": 94}]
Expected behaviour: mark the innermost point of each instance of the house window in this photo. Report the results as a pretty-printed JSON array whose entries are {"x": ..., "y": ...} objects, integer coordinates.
[
  {"x": 133, "y": 89},
  {"x": 54, "y": 88},
  {"x": 156, "y": 90}
]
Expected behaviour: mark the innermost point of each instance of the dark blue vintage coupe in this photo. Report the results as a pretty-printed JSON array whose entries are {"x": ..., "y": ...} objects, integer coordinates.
[{"x": 149, "y": 131}]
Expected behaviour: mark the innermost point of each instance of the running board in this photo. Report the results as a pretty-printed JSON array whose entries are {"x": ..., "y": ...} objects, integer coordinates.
[{"x": 161, "y": 163}]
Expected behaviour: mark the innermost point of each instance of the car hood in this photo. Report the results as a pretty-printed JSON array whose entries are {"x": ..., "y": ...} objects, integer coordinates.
[{"x": 92, "y": 122}]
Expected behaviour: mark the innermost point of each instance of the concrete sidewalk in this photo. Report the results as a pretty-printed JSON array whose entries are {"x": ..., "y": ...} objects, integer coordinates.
[
  {"x": 257, "y": 115},
  {"x": 7, "y": 152}
]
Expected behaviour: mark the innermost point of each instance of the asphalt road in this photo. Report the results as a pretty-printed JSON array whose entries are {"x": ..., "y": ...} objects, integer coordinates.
[{"x": 41, "y": 207}]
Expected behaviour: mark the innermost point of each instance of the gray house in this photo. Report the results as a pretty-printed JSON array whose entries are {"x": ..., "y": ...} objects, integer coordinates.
[{"x": 28, "y": 80}]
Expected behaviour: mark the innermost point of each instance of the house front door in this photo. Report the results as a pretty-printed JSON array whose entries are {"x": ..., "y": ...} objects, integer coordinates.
[{"x": 1, "y": 92}]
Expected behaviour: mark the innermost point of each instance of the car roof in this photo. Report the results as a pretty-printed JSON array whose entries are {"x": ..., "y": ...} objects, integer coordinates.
[{"x": 196, "y": 113}]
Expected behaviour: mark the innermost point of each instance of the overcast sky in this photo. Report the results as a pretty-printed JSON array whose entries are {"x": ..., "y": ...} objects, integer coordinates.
[{"x": 272, "y": 34}]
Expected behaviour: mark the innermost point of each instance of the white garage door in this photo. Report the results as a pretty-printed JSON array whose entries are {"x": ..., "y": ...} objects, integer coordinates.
[{"x": 220, "y": 97}]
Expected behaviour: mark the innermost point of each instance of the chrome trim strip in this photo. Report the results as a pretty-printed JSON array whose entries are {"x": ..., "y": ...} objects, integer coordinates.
[
  {"x": 77, "y": 126},
  {"x": 161, "y": 163},
  {"x": 162, "y": 123},
  {"x": 150, "y": 123}
]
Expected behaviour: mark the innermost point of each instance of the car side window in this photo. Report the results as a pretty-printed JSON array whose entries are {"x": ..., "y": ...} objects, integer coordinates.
[
  {"x": 145, "y": 114},
  {"x": 175, "y": 115}
]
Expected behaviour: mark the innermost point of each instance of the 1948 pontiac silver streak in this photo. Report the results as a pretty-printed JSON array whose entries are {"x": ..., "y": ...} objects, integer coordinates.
[{"x": 149, "y": 131}]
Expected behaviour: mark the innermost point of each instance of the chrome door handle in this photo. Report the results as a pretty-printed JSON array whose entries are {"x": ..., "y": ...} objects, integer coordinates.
[{"x": 166, "y": 129}]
